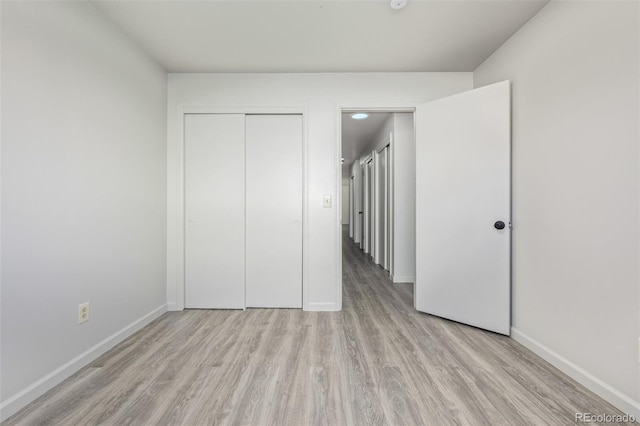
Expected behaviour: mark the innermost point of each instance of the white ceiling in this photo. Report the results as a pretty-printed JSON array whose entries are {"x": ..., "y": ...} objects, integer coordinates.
[{"x": 318, "y": 36}]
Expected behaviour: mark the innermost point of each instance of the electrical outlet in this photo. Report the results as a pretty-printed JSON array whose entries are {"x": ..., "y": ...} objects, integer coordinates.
[{"x": 83, "y": 312}]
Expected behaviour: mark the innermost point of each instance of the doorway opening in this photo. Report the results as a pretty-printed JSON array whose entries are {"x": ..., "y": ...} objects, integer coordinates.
[
  {"x": 443, "y": 191},
  {"x": 378, "y": 187}
]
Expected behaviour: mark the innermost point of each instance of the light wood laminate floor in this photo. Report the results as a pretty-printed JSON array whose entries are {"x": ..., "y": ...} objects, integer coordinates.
[{"x": 376, "y": 362}]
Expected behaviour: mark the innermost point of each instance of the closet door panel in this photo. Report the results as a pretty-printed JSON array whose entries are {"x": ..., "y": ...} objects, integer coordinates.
[
  {"x": 274, "y": 211},
  {"x": 214, "y": 211}
]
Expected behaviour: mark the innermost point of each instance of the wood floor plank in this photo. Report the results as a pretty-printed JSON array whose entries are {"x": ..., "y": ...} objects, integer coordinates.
[
  {"x": 399, "y": 403},
  {"x": 377, "y": 362}
]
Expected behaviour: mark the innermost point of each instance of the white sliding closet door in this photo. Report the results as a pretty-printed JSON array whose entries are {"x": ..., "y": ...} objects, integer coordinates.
[
  {"x": 274, "y": 211},
  {"x": 214, "y": 211}
]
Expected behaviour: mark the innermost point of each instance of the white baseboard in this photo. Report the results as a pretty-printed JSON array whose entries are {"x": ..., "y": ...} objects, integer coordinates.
[
  {"x": 403, "y": 279},
  {"x": 174, "y": 307},
  {"x": 322, "y": 307},
  {"x": 616, "y": 398},
  {"x": 14, "y": 403}
]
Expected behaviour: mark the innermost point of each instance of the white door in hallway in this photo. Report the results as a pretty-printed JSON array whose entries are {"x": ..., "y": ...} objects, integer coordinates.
[
  {"x": 370, "y": 232},
  {"x": 383, "y": 206},
  {"x": 366, "y": 211},
  {"x": 274, "y": 211},
  {"x": 463, "y": 206},
  {"x": 362, "y": 199},
  {"x": 214, "y": 211},
  {"x": 352, "y": 216}
]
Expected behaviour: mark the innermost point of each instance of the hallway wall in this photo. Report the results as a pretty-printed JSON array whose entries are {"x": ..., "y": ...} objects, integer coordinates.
[
  {"x": 401, "y": 125},
  {"x": 345, "y": 202}
]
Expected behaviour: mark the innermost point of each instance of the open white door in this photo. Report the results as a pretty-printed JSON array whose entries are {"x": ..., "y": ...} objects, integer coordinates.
[{"x": 463, "y": 207}]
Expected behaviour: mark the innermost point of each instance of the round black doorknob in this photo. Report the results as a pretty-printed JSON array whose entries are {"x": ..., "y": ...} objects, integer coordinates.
[{"x": 499, "y": 225}]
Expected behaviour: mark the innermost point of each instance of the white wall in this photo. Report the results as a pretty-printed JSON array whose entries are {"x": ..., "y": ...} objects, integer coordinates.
[
  {"x": 345, "y": 202},
  {"x": 83, "y": 192},
  {"x": 404, "y": 195},
  {"x": 379, "y": 138},
  {"x": 574, "y": 72},
  {"x": 321, "y": 95}
]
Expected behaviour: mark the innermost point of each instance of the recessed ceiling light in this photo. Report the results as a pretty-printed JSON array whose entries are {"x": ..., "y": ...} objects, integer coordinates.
[
  {"x": 359, "y": 115},
  {"x": 398, "y": 4}
]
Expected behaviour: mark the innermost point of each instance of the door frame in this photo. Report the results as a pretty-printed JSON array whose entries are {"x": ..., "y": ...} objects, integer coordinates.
[
  {"x": 366, "y": 208},
  {"x": 356, "y": 107},
  {"x": 176, "y": 264},
  {"x": 352, "y": 186},
  {"x": 381, "y": 255}
]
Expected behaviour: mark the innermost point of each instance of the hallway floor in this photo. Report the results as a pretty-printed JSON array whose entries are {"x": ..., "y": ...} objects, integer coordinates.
[{"x": 376, "y": 362}]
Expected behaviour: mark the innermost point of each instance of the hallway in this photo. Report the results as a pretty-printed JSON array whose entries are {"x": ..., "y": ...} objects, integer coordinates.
[{"x": 378, "y": 361}]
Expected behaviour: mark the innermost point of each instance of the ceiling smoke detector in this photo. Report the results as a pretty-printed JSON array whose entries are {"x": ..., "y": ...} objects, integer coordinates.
[{"x": 398, "y": 4}]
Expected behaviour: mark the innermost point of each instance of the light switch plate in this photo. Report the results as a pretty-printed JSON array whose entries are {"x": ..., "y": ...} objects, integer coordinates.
[{"x": 326, "y": 201}]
